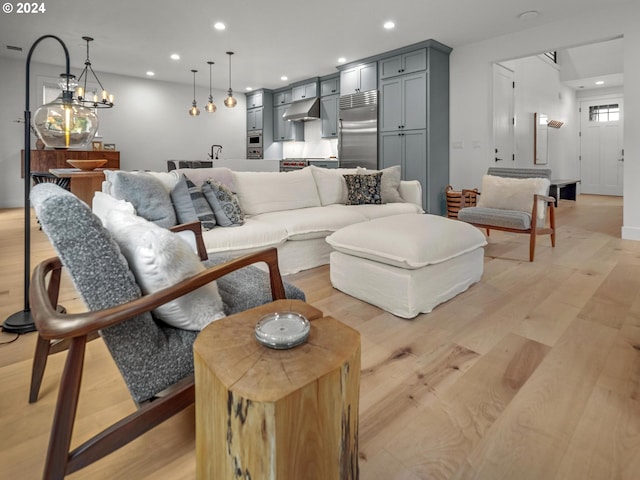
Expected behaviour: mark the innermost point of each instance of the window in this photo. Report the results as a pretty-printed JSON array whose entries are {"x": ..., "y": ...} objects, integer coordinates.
[{"x": 604, "y": 113}]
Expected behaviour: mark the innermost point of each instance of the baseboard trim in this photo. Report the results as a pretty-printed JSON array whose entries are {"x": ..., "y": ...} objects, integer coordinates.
[{"x": 631, "y": 233}]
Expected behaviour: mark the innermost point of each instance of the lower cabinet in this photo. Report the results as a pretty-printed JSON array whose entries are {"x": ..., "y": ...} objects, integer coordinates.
[
  {"x": 409, "y": 150},
  {"x": 329, "y": 115}
]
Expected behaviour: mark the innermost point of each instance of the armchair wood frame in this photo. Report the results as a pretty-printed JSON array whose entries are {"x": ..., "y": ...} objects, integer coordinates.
[
  {"x": 76, "y": 329},
  {"x": 534, "y": 230}
]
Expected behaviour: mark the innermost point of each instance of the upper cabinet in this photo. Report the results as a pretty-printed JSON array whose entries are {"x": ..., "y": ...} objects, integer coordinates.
[
  {"x": 282, "y": 98},
  {"x": 255, "y": 119},
  {"x": 330, "y": 86},
  {"x": 329, "y": 115},
  {"x": 403, "y": 103},
  {"x": 360, "y": 78},
  {"x": 410, "y": 62},
  {"x": 308, "y": 90},
  {"x": 254, "y": 100}
]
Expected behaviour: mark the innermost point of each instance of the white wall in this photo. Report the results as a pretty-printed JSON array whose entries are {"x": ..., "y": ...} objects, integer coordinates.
[
  {"x": 471, "y": 93},
  {"x": 149, "y": 123}
]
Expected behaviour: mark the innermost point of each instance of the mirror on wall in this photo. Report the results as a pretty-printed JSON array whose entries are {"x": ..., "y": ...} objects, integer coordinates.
[{"x": 540, "y": 138}]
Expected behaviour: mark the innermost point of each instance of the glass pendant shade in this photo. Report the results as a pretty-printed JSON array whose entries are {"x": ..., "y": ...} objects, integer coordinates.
[
  {"x": 194, "y": 111},
  {"x": 65, "y": 123},
  {"x": 210, "y": 106},
  {"x": 230, "y": 101}
]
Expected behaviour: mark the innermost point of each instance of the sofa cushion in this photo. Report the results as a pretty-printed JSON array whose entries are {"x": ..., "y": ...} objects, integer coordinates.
[
  {"x": 408, "y": 241},
  {"x": 513, "y": 193},
  {"x": 182, "y": 203},
  {"x": 369, "y": 212},
  {"x": 203, "y": 209},
  {"x": 159, "y": 259},
  {"x": 331, "y": 185},
  {"x": 103, "y": 203},
  {"x": 261, "y": 192},
  {"x": 389, "y": 183},
  {"x": 497, "y": 217},
  {"x": 224, "y": 202},
  {"x": 363, "y": 189},
  {"x": 253, "y": 235},
  {"x": 148, "y": 195},
  {"x": 311, "y": 222}
]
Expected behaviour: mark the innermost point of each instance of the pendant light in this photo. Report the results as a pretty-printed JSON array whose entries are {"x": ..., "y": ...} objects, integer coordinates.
[
  {"x": 210, "y": 107},
  {"x": 194, "y": 111},
  {"x": 230, "y": 101}
]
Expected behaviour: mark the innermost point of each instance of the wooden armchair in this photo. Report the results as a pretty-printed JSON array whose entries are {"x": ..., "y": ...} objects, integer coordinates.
[
  {"x": 513, "y": 207},
  {"x": 155, "y": 359}
]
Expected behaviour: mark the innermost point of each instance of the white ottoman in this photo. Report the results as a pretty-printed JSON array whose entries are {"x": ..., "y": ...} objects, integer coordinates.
[{"x": 406, "y": 264}]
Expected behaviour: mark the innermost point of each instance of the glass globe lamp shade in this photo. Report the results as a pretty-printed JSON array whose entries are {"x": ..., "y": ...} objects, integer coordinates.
[
  {"x": 194, "y": 111},
  {"x": 65, "y": 123},
  {"x": 230, "y": 101},
  {"x": 210, "y": 106}
]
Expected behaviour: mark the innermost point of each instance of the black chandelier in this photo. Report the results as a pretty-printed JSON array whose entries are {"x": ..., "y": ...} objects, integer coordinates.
[{"x": 100, "y": 99}]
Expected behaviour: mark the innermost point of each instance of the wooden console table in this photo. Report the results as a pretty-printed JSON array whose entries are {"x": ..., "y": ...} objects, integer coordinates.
[
  {"x": 84, "y": 183},
  {"x": 287, "y": 414},
  {"x": 45, "y": 160}
]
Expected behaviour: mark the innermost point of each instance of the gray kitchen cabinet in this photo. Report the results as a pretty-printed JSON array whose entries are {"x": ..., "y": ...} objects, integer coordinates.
[
  {"x": 410, "y": 62},
  {"x": 282, "y": 98},
  {"x": 403, "y": 102},
  {"x": 254, "y": 119},
  {"x": 360, "y": 78},
  {"x": 254, "y": 100},
  {"x": 329, "y": 115},
  {"x": 330, "y": 86},
  {"x": 414, "y": 118},
  {"x": 284, "y": 130},
  {"x": 308, "y": 90}
]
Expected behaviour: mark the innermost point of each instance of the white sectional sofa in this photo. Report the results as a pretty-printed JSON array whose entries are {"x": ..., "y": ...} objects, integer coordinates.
[{"x": 293, "y": 211}]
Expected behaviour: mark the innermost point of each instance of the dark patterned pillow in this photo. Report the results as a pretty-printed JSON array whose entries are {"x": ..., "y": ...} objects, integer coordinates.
[
  {"x": 203, "y": 209},
  {"x": 363, "y": 189},
  {"x": 224, "y": 202}
]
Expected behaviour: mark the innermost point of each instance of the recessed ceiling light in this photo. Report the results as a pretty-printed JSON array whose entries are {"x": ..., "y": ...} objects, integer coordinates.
[
  {"x": 219, "y": 26},
  {"x": 528, "y": 15},
  {"x": 150, "y": 73},
  {"x": 342, "y": 60},
  {"x": 599, "y": 82},
  {"x": 175, "y": 56},
  {"x": 389, "y": 25},
  {"x": 284, "y": 77},
  {"x": 248, "y": 89}
]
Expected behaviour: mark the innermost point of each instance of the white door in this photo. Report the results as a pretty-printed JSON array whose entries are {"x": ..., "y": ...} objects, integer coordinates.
[
  {"x": 503, "y": 114},
  {"x": 601, "y": 146}
]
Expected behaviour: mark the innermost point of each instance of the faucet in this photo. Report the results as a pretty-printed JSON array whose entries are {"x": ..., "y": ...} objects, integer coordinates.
[{"x": 214, "y": 154}]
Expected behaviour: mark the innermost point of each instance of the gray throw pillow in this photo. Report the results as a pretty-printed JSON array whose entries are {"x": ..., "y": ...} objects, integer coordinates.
[
  {"x": 182, "y": 204},
  {"x": 363, "y": 189},
  {"x": 389, "y": 183},
  {"x": 225, "y": 204},
  {"x": 147, "y": 194},
  {"x": 202, "y": 207}
]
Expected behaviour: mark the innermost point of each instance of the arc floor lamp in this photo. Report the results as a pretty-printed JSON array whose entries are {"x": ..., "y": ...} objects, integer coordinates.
[{"x": 62, "y": 123}]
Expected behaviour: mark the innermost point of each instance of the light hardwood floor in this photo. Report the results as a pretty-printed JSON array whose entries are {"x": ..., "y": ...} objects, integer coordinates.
[{"x": 533, "y": 373}]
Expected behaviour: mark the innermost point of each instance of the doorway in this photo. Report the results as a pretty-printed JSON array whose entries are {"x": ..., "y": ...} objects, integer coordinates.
[
  {"x": 503, "y": 113},
  {"x": 601, "y": 146}
]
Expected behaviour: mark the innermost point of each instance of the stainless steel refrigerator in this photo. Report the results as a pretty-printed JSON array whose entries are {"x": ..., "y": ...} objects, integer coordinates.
[{"x": 358, "y": 133}]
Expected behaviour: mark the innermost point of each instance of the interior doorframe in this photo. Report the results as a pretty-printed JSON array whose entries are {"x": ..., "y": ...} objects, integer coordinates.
[{"x": 512, "y": 112}]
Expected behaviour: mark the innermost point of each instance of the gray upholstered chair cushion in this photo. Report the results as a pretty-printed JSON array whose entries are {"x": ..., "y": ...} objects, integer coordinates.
[
  {"x": 519, "y": 172},
  {"x": 496, "y": 217},
  {"x": 150, "y": 354}
]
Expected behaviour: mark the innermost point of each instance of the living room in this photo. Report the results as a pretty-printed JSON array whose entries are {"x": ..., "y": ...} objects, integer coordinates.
[{"x": 429, "y": 385}]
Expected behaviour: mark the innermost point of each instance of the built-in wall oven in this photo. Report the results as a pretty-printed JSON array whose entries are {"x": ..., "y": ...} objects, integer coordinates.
[{"x": 254, "y": 144}]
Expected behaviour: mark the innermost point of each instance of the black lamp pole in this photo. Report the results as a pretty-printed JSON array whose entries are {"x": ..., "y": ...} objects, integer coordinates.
[{"x": 21, "y": 322}]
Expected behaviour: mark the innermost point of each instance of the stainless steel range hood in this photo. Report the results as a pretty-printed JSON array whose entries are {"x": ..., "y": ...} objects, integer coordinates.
[{"x": 303, "y": 110}]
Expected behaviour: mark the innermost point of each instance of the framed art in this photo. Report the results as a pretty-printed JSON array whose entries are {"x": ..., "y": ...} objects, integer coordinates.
[
  {"x": 97, "y": 145},
  {"x": 109, "y": 146}
]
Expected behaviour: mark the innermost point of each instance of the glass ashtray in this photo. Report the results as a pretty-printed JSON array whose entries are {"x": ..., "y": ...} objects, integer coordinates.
[{"x": 282, "y": 330}]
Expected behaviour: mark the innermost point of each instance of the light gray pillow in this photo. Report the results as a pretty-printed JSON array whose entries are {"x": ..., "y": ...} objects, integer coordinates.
[
  {"x": 147, "y": 194},
  {"x": 182, "y": 204},
  {"x": 203, "y": 209},
  {"x": 225, "y": 204},
  {"x": 389, "y": 183}
]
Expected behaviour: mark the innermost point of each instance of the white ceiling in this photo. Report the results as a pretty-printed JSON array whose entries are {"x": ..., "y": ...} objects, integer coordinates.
[{"x": 299, "y": 39}]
